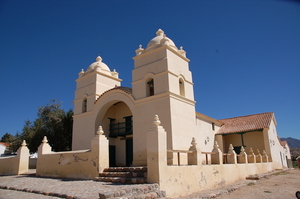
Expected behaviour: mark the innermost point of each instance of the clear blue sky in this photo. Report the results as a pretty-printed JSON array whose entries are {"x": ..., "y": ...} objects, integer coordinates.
[{"x": 245, "y": 55}]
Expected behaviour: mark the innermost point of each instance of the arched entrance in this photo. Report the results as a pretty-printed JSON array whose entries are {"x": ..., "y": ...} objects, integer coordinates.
[{"x": 117, "y": 124}]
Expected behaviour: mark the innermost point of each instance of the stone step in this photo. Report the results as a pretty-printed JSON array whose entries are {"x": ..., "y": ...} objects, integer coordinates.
[
  {"x": 125, "y": 169},
  {"x": 135, "y": 192},
  {"x": 123, "y": 180},
  {"x": 123, "y": 174}
]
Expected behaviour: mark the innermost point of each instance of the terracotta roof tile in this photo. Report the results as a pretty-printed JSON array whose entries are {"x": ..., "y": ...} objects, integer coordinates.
[
  {"x": 246, "y": 123},
  {"x": 5, "y": 144},
  {"x": 283, "y": 143},
  {"x": 122, "y": 88}
]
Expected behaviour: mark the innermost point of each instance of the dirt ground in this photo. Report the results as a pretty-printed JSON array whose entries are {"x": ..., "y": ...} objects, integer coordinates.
[{"x": 277, "y": 186}]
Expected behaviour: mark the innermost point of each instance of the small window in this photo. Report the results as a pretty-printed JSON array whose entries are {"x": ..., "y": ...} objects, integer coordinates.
[
  {"x": 84, "y": 105},
  {"x": 181, "y": 87},
  {"x": 150, "y": 85},
  {"x": 213, "y": 126}
]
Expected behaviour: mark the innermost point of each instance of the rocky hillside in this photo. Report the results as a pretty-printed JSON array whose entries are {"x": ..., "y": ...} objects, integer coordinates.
[{"x": 292, "y": 142}]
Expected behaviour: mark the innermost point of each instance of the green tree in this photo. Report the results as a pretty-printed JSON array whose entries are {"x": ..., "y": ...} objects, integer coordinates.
[
  {"x": 15, "y": 144},
  {"x": 56, "y": 124},
  {"x": 53, "y": 122},
  {"x": 7, "y": 138}
]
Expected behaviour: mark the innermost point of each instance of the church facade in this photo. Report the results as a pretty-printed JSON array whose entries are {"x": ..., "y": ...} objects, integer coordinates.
[{"x": 162, "y": 85}]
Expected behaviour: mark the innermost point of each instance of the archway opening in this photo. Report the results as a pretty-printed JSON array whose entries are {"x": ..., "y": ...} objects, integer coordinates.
[{"x": 118, "y": 124}]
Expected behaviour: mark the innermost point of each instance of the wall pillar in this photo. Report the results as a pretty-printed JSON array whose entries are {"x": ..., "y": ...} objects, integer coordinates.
[
  {"x": 243, "y": 156},
  {"x": 195, "y": 157},
  {"x": 23, "y": 158},
  {"x": 231, "y": 157},
  {"x": 251, "y": 156},
  {"x": 100, "y": 146},
  {"x": 217, "y": 157},
  {"x": 156, "y": 152},
  {"x": 258, "y": 157},
  {"x": 44, "y": 148},
  {"x": 265, "y": 157}
]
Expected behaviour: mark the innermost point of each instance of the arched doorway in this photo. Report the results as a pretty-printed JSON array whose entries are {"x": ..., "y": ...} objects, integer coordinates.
[{"x": 117, "y": 122}]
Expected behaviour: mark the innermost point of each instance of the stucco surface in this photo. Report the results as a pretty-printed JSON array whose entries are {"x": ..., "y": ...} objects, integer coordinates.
[
  {"x": 17, "y": 164},
  {"x": 74, "y": 164}
]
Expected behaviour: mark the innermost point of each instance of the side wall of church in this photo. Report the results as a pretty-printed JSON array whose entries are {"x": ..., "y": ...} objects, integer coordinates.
[
  {"x": 205, "y": 134},
  {"x": 278, "y": 153}
]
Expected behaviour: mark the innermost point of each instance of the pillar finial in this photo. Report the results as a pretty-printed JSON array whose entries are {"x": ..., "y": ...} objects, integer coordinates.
[
  {"x": 156, "y": 120},
  {"x": 194, "y": 143},
  {"x": 258, "y": 151},
  {"x": 242, "y": 149},
  {"x": 23, "y": 143},
  {"x": 45, "y": 140},
  {"x": 216, "y": 146},
  {"x": 251, "y": 150},
  {"x": 100, "y": 131},
  {"x": 264, "y": 152}
]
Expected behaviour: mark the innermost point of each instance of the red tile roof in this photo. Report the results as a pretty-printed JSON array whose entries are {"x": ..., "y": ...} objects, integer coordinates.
[
  {"x": 5, "y": 144},
  {"x": 122, "y": 88},
  {"x": 283, "y": 143},
  {"x": 246, "y": 123}
]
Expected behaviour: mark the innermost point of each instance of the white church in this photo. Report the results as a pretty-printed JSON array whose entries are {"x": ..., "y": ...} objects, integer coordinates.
[
  {"x": 162, "y": 85},
  {"x": 151, "y": 133}
]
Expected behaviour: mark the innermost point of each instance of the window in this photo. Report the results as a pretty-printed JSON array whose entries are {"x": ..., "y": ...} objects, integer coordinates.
[
  {"x": 84, "y": 105},
  {"x": 181, "y": 87},
  {"x": 213, "y": 126},
  {"x": 150, "y": 89}
]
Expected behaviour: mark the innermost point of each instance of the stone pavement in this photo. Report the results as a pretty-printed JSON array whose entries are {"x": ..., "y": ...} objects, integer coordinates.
[
  {"x": 12, "y": 187},
  {"x": 10, "y": 194},
  {"x": 30, "y": 186}
]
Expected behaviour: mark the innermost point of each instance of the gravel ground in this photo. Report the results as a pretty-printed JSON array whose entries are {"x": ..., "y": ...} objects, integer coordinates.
[{"x": 280, "y": 185}]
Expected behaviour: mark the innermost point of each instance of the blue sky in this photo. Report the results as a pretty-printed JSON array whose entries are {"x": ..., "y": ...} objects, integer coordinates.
[{"x": 245, "y": 55}]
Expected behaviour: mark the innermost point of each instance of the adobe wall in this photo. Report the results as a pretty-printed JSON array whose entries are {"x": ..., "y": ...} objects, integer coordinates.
[
  {"x": 17, "y": 164},
  {"x": 74, "y": 164},
  {"x": 84, "y": 164},
  {"x": 184, "y": 180}
]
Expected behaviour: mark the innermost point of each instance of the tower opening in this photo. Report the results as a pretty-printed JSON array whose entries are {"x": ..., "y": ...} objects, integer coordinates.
[
  {"x": 181, "y": 87},
  {"x": 150, "y": 87},
  {"x": 84, "y": 105}
]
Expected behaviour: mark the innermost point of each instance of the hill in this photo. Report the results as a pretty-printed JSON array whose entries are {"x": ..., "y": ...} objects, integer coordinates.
[{"x": 292, "y": 142}]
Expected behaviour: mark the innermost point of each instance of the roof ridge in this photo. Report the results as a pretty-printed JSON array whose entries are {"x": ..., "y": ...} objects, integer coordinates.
[
  {"x": 245, "y": 116},
  {"x": 246, "y": 123},
  {"x": 125, "y": 89}
]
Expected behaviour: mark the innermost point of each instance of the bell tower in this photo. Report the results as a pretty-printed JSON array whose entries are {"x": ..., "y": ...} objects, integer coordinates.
[
  {"x": 163, "y": 67},
  {"x": 162, "y": 84},
  {"x": 92, "y": 83},
  {"x": 89, "y": 86}
]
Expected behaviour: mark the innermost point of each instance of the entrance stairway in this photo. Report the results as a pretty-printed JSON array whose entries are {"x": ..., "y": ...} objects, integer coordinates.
[
  {"x": 124, "y": 175},
  {"x": 136, "y": 176}
]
